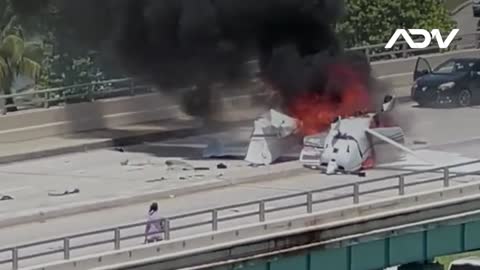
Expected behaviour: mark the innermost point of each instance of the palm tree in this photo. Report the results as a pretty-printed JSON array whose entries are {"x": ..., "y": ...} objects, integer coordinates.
[{"x": 14, "y": 62}]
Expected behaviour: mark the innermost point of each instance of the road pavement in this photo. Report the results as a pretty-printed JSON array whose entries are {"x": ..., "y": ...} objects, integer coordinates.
[
  {"x": 451, "y": 135},
  {"x": 467, "y": 24}
]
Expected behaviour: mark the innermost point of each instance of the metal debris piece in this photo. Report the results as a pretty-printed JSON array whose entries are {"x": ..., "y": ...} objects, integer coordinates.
[
  {"x": 65, "y": 193},
  {"x": 179, "y": 165},
  {"x": 124, "y": 163},
  {"x": 182, "y": 178},
  {"x": 156, "y": 180},
  {"x": 6, "y": 198},
  {"x": 420, "y": 142},
  {"x": 253, "y": 165},
  {"x": 202, "y": 169},
  {"x": 119, "y": 149},
  {"x": 273, "y": 135},
  {"x": 222, "y": 166}
]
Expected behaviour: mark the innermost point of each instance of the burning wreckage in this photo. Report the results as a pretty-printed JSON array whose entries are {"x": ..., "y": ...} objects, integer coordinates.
[{"x": 350, "y": 145}]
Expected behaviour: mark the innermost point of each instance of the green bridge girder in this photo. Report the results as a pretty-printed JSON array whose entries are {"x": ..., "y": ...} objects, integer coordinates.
[{"x": 433, "y": 241}]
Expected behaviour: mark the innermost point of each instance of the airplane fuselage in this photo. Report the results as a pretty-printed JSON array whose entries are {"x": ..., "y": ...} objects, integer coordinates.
[{"x": 347, "y": 146}]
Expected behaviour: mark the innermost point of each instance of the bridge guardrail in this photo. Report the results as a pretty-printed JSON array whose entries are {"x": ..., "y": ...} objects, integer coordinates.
[
  {"x": 378, "y": 52},
  {"x": 213, "y": 217},
  {"x": 127, "y": 86},
  {"x": 45, "y": 98}
]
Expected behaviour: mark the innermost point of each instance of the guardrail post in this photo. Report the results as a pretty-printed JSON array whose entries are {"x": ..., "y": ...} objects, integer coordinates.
[
  {"x": 401, "y": 185},
  {"x": 404, "y": 50},
  {"x": 446, "y": 177},
  {"x": 45, "y": 100},
  {"x": 214, "y": 220},
  {"x": 261, "y": 211},
  {"x": 91, "y": 93},
  {"x": 132, "y": 87},
  {"x": 66, "y": 249},
  {"x": 166, "y": 228},
  {"x": 356, "y": 193},
  {"x": 117, "y": 238},
  {"x": 367, "y": 54},
  {"x": 309, "y": 202},
  {"x": 14, "y": 258}
]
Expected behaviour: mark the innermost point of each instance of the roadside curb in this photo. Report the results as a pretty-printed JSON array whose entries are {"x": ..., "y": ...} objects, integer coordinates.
[
  {"x": 460, "y": 7},
  {"x": 41, "y": 215}
]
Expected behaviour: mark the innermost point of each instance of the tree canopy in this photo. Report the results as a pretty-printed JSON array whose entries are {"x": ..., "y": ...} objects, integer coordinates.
[{"x": 374, "y": 21}]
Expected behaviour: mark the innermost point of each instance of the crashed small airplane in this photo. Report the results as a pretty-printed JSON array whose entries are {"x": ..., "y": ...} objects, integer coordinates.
[{"x": 349, "y": 146}]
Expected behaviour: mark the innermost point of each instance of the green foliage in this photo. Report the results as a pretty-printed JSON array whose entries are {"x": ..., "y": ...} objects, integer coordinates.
[
  {"x": 375, "y": 21},
  {"x": 13, "y": 62}
]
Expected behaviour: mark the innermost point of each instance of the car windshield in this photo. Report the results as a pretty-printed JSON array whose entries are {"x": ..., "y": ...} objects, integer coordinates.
[{"x": 454, "y": 66}]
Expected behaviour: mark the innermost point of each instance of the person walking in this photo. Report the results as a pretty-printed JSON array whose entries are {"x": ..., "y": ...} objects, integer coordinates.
[{"x": 154, "y": 228}]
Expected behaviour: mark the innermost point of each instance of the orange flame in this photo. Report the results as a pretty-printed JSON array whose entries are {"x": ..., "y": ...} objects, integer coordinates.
[{"x": 346, "y": 95}]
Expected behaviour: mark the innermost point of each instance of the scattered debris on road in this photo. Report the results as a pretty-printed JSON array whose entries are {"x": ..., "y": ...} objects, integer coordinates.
[
  {"x": 420, "y": 142},
  {"x": 202, "y": 169},
  {"x": 222, "y": 166},
  {"x": 179, "y": 165},
  {"x": 6, "y": 198},
  {"x": 124, "y": 163},
  {"x": 119, "y": 149},
  {"x": 156, "y": 180},
  {"x": 64, "y": 193}
]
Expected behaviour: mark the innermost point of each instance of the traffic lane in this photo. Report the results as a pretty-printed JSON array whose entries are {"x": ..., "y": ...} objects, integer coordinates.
[{"x": 439, "y": 125}]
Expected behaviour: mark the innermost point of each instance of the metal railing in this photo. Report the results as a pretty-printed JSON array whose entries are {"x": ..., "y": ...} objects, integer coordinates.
[
  {"x": 378, "y": 52},
  {"x": 211, "y": 219},
  {"x": 86, "y": 92}
]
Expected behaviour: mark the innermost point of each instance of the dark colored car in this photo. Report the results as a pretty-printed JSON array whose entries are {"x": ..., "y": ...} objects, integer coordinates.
[{"x": 454, "y": 82}]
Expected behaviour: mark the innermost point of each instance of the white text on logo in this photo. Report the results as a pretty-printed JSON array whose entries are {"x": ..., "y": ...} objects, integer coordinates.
[{"x": 428, "y": 36}]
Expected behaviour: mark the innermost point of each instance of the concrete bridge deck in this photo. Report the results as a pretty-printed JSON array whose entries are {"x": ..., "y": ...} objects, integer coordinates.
[{"x": 458, "y": 142}]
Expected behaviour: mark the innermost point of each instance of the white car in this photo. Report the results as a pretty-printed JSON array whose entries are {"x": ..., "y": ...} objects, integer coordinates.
[{"x": 313, "y": 147}]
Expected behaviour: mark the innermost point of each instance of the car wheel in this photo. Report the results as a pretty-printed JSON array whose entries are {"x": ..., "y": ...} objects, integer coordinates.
[
  {"x": 464, "y": 98},
  {"x": 421, "y": 104}
]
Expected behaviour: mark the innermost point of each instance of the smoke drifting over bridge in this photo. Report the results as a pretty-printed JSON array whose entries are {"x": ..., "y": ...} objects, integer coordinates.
[{"x": 178, "y": 43}]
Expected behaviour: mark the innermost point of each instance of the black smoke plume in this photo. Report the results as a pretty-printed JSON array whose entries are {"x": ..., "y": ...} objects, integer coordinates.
[{"x": 180, "y": 43}]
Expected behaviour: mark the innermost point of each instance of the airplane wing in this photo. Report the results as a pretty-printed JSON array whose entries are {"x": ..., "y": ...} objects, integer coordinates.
[
  {"x": 393, "y": 136},
  {"x": 393, "y": 133}
]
